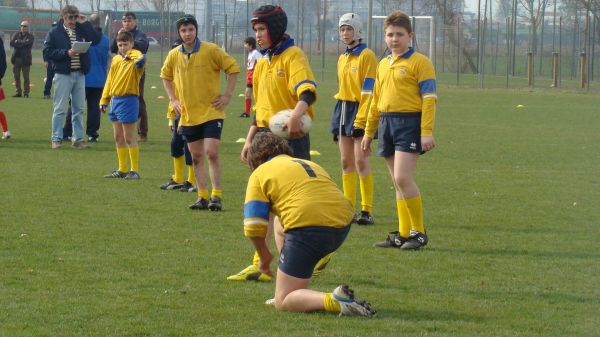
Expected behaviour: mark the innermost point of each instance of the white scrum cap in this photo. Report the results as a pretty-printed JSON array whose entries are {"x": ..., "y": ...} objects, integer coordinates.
[{"x": 352, "y": 20}]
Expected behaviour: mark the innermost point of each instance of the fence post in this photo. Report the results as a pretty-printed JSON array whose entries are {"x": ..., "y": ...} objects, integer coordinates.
[
  {"x": 582, "y": 67},
  {"x": 555, "y": 69},
  {"x": 530, "y": 69}
]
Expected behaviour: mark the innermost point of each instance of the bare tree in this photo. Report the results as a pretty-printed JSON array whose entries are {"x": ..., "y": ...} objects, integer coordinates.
[
  {"x": 504, "y": 9},
  {"x": 451, "y": 14},
  {"x": 534, "y": 13}
]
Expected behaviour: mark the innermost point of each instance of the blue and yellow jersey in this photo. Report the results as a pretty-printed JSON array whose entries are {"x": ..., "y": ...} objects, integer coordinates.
[
  {"x": 356, "y": 70},
  {"x": 404, "y": 84},
  {"x": 124, "y": 76},
  {"x": 279, "y": 80},
  {"x": 299, "y": 191},
  {"x": 197, "y": 79}
]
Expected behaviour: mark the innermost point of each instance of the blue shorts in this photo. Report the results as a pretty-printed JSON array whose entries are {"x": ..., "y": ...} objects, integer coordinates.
[
  {"x": 300, "y": 146},
  {"x": 343, "y": 118},
  {"x": 304, "y": 247},
  {"x": 210, "y": 129},
  {"x": 399, "y": 131},
  {"x": 124, "y": 109}
]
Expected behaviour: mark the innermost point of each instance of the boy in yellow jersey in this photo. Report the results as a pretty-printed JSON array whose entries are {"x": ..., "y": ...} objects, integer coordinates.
[
  {"x": 122, "y": 89},
  {"x": 315, "y": 217},
  {"x": 282, "y": 80},
  {"x": 356, "y": 77},
  {"x": 191, "y": 76},
  {"x": 403, "y": 108}
]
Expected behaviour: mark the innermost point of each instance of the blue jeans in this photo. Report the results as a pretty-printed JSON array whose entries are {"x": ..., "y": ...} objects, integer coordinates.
[{"x": 68, "y": 86}]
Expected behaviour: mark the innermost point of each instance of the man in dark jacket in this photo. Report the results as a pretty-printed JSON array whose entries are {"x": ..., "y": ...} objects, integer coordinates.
[
  {"x": 141, "y": 43},
  {"x": 70, "y": 68},
  {"x": 22, "y": 42}
]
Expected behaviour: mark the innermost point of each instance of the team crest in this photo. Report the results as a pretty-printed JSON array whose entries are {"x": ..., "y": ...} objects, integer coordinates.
[
  {"x": 354, "y": 69},
  {"x": 403, "y": 70},
  {"x": 280, "y": 73}
]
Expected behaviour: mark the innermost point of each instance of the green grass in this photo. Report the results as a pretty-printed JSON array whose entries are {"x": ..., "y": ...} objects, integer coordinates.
[{"x": 510, "y": 197}]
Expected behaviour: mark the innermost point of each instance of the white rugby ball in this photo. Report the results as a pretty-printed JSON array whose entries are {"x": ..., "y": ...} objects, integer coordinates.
[{"x": 278, "y": 127}]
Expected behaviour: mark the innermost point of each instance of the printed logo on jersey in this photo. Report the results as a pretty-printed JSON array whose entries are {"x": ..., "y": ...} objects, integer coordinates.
[
  {"x": 354, "y": 69},
  {"x": 280, "y": 73},
  {"x": 403, "y": 70}
]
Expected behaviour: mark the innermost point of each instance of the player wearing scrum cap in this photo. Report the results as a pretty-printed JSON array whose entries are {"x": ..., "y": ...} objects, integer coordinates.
[
  {"x": 194, "y": 91},
  {"x": 356, "y": 76}
]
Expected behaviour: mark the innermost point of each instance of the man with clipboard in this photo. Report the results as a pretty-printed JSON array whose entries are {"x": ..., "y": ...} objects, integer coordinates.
[{"x": 70, "y": 68}]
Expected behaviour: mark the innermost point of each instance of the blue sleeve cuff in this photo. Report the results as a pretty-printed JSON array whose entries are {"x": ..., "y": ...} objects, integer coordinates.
[{"x": 257, "y": 209}]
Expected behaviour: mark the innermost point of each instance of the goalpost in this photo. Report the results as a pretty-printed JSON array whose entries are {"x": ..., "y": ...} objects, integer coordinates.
[{"x": 423, "y": 34}]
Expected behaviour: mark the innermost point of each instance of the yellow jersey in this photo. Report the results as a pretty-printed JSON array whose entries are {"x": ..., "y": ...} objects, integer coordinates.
[
  {"x": 299, "y": 191},
  {"x": 196, "y": 76},
  {"x": 278, "y": 81},
  {"x": 356, "y": 70},
  {"x": 124, "y": 76},
  {"x": 404, "y": 84}
]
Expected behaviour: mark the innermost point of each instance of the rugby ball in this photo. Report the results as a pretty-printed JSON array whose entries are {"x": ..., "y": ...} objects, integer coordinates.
[{"x": 278, "y": 127}]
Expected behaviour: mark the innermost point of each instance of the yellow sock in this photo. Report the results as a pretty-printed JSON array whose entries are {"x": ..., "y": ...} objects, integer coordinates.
[
  {"x": 366, "y": 193},
  {"x": 255, "y": 259},
  {"x": 403, "y": 218},
  {"x": 178, "y": 163},
  {"x": 216, "y": 193},
  {"x": 191, "y": 178},
  {"x": 203, "y": 194},
  {"x": 349, "y": 187},
  {"x": 415, "y": 209},
  {"x": 134, "y": 157},
  {"x": 329, "y": 304},
  {"x": 122, "y": 156}
]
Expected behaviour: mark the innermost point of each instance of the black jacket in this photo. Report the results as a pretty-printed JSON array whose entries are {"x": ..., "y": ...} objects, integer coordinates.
[
  {"x": 22, "y": 44},
  {"x": 140, "y": 42},
  {"x": 57, "y": 44},
  {"x": 2, "y": 60}
]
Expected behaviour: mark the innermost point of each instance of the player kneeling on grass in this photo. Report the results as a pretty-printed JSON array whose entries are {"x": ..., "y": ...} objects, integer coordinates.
[
  {"x": 315, "y": 220},
  {"x": 122, "y": 90}
]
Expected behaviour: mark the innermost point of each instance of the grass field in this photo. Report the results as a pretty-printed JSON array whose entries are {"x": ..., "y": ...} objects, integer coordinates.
[{"x": 511, "y": 200}]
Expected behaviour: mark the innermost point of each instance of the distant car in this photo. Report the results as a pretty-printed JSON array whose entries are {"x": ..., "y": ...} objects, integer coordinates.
[{"x": 152, "y": 41}]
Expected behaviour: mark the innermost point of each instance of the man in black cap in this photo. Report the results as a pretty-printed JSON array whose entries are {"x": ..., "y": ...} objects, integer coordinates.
[{"x": 141, "y": 43}]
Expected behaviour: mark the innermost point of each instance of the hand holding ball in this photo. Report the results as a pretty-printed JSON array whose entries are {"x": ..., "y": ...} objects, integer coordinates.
[{"x": 277, "y": 123}]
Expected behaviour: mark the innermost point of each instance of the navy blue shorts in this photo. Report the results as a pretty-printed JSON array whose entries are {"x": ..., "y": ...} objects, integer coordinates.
[
  {"x": 300, "y": 146},
  {"x": 304, "y": 247},
  {"x": 399, "y": 132},
  {"x": 179, "y": 146},
  {"x": 210, "y": 129},
  {"x": 343, "y": 118},
  {"x": 124, "y": 109}
]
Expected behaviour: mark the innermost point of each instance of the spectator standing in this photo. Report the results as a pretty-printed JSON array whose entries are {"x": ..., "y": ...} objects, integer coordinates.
[
  {"x": 22, "y": 42},
  {"x": 141, "y": 43},
  {"x": 49, "y": 74},
  {"x": 70, "y": 68},
  {"x": 94, "y": 83},
  {"x": 253, "y": 56}
]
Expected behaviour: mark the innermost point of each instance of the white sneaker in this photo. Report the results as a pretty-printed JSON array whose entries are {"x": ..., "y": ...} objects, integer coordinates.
[
  {"x": 6, "y": 135},
  {"x": 270, "y": 301},
  {"x": 351, "y": 306}
]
